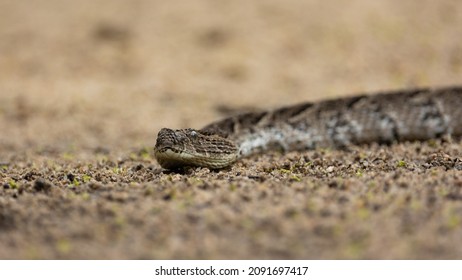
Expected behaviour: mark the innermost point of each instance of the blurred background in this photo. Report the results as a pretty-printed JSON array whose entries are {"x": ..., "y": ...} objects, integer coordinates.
[{"x": 84, "y": 75}]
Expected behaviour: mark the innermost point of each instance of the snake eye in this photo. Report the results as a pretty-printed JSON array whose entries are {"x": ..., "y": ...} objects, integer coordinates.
[{"x": 193, "y": 133}]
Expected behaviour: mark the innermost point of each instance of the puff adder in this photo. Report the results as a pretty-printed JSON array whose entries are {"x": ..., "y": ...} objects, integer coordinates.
[{"x": 383, "y": 117}]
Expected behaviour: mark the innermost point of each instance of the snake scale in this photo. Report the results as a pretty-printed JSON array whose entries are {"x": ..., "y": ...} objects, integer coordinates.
[{"x": 384, "y": 117}]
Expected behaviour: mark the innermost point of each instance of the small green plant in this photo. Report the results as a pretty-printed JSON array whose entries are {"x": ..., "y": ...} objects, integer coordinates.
[
  {"x": 432, "y": 143},
  {"x": 76, "y": 182},
  {"x": 295, "y": 178},
  {"x": 282, "y": 170},
  {"x": 85, "y": 196},
  {"x": 68, "y": 156},
  {"x": 401, "y": 163},
  {"x": 86, "y": 178},
  {"x": 13, "y": 184},
  {"x": 144, "y": 153},
  {"x": 63, "y": 246},
  {"x": 363, "y": 213},
  {"x": 453, "y": 221}
]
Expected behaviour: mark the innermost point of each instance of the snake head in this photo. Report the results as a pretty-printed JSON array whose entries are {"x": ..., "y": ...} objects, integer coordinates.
[{"x": 190, "y": 147}]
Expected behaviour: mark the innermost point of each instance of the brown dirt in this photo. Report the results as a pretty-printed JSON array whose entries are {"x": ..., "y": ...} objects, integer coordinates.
[{"x": 85, "y": 86}]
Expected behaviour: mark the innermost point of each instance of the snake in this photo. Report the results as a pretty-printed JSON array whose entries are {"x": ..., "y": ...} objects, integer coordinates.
[{"x": 386, "y": 117}]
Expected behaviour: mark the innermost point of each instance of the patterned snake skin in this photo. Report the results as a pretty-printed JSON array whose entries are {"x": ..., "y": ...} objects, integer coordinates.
[{"x": 387, "y": 117}]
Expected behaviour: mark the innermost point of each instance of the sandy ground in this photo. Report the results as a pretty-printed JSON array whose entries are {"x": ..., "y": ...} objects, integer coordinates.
[{"x": 86, "y": 85}]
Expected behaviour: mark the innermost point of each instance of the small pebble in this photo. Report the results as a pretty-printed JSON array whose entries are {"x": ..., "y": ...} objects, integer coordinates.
[
  {"x": 42, "y": 185},
  {"x": 329, "y": 169}
]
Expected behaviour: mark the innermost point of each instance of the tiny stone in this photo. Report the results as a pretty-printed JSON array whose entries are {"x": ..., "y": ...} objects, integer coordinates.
[
  {"x": 138, "y": 167},
  {"x": 329, "y": 169},
  {"x": 42, "y": 185},
  {"x": 71, "y": 177}
]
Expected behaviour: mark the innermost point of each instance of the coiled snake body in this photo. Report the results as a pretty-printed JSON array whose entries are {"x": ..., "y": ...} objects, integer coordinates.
[{"x": 385, "y": 117}]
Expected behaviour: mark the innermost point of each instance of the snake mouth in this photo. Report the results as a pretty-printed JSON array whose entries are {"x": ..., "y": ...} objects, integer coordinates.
[
  {"x": 171, "y": 158},
  {"x": 166, "y": 150},
  {"x": 173, "y": 154}
]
